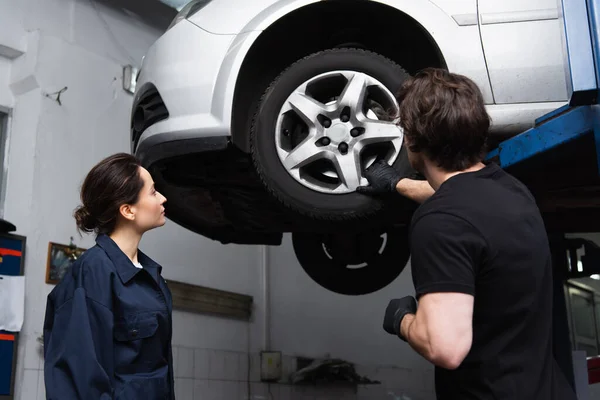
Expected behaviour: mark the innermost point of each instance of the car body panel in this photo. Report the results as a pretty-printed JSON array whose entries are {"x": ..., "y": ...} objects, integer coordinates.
[
  {"x": 508, "y": 119},
  {"x": 460, "y": 45},
  {"x": 522, "y": 47},
  {"x": 462, "y": 13},
  {"x": 244, "y": 16},
  {"x": 186, "y": 81},
  {"x": 466, "y": 58},
  {"x": 198, "y": 86},
  {"x": 459, "y": 10}
]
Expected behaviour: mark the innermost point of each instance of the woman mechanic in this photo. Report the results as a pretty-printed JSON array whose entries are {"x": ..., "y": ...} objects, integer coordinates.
[{"x": 107, "y": 329}]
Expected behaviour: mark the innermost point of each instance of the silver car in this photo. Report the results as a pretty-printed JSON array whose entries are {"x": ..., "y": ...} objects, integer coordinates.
[{"x": 259, "y": 117}]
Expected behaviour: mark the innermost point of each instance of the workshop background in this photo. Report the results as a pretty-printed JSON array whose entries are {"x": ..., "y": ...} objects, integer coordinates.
[
  {"x": 77, "y": 49},
  {"x": 47, "y": 45}
]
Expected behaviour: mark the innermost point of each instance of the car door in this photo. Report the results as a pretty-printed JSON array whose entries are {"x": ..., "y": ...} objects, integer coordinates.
[{"x": 522, "y": 46}]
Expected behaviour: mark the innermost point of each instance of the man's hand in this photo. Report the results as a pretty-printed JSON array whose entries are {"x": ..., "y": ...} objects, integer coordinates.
[
  {"x": 382, "y": 179},
  {"x": 395, "y": 311}
]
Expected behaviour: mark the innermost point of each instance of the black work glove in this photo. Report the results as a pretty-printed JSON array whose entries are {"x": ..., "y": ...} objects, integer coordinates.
[
  {"x": 382, "y": 179},
  {"x": 395, "y": 311}
]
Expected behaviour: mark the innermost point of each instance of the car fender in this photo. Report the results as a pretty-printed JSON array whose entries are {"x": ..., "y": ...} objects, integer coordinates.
[
  {"x": 244, "y": 16},
  {"x": 460, "y": 46}
]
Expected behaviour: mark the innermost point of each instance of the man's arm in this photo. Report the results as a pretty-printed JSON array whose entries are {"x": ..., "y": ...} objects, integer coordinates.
[
  {"x": 441, "y": 331},
  {"x": 417, "y": 191},
  {"x": 446, "y": 252}
]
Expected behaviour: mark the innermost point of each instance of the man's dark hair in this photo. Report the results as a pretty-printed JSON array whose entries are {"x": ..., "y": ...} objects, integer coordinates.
[
  {"x": 444, "y": 117},
  {"x": 112, "y": 182}
]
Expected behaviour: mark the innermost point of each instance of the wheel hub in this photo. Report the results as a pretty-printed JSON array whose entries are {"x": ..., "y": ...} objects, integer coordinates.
[
  {"x": 336, "y": 140},
  {"x": 338, "y": 133}
]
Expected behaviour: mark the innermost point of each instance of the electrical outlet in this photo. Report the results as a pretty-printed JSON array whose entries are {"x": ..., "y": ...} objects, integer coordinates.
[{"x": 270, "y": 366}]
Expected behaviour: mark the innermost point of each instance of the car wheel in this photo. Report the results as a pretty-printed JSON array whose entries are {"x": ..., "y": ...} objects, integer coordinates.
[
  {"x": 320, "y": 124},
  {"x": 353, "y": 264}
]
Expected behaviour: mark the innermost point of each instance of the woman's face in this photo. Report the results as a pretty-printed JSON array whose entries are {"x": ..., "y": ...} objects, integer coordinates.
[{"x": 149, "y": 210}]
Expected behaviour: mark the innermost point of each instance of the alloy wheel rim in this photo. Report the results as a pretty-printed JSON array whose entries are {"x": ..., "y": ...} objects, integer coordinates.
[{"x": 335, "y": 125}]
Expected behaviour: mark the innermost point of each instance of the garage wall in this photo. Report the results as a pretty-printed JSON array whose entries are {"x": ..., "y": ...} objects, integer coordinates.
[{"x": 81, "y": 46}]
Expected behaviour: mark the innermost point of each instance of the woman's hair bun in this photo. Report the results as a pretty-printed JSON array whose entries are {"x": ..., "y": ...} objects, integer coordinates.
[
  {"x": 114, "y": 181},
  {"x": 85, "y": 221}
]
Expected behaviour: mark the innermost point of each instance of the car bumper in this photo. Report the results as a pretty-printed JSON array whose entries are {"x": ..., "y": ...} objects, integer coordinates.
[{"x": 173, "y": 106}]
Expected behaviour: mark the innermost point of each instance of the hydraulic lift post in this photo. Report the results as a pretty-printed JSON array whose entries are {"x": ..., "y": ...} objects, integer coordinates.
[{"x": 559, "y": 160}]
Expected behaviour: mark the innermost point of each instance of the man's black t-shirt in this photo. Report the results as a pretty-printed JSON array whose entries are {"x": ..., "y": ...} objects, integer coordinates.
[{"x": 481, "y": 233}]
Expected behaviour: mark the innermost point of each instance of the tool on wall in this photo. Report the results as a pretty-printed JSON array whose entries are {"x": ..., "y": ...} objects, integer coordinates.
[{"x": 57, "y": 95}]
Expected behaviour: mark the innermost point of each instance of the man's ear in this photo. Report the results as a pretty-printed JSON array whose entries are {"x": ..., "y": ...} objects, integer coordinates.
[{"x": 127, "y": 211}]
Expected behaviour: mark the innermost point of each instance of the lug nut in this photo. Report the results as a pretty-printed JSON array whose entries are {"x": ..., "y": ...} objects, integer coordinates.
[
  {"x": 345, "y": 114},
  {"x": 325, "y": 141},
  {"x": 355, "y": 132},
  {"x": 327, "y": 123},
  {"x": 343, "y": 147}
]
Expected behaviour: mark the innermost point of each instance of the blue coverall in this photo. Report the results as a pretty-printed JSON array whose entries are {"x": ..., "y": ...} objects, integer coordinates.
[{"x": 108, "y": 328}]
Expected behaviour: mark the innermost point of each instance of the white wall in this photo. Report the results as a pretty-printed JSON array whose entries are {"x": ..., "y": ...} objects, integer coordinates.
[{"x": 74, "y": 44}]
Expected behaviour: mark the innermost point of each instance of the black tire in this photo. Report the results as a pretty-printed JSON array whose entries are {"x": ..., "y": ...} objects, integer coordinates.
[
  {"x": 329, "y": 267},
  {"x": 279, "y": 183}
]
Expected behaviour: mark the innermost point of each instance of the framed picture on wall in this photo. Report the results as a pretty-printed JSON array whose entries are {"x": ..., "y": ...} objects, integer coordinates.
[{"x": 60, "y": 258}]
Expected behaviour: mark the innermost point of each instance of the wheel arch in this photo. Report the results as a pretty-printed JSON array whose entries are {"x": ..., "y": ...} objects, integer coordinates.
[{"x": 245, "y": 73}]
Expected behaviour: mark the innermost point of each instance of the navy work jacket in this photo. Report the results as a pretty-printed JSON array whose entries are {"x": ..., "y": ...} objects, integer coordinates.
[{"x": 107, "y": 330}]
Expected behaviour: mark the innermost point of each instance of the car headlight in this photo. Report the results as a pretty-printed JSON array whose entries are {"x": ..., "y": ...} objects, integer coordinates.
[{"x": 188, "y": 10}]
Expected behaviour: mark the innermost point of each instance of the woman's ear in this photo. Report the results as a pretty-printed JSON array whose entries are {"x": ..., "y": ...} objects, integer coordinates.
[{"x": 127, "y": 211}]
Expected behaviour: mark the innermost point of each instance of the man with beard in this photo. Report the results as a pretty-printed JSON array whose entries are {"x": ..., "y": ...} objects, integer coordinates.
[{"x": 480, "y": 258}]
